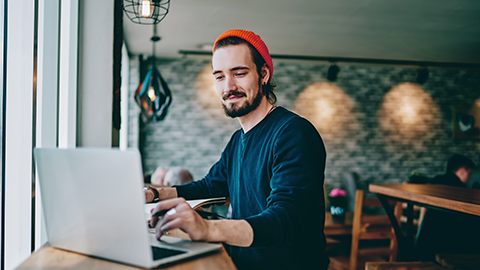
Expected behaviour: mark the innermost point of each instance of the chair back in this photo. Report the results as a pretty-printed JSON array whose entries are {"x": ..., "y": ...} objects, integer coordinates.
[
  {"x": 411, "y": 218},
  {"x": 371, "y": 227}
]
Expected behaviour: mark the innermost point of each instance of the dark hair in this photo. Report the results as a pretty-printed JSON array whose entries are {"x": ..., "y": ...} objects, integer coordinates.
[
  {"x": 268, "y": 88},
  {"x": 457, "y": 161}
]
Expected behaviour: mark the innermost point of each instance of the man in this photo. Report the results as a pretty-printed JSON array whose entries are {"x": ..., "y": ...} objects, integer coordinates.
[
  {"x": 272, "y": 169},
  {"x": 459, "y": 168},
  {"x": 446, "y": 232},
  {"x": 177, "y": 176}
]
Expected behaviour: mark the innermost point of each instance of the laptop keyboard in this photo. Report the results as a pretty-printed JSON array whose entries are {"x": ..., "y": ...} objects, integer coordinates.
[{"x": 160, "y": 253}]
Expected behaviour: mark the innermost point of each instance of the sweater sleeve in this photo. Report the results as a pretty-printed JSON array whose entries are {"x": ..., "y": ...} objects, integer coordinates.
[
  {"x": 214, "y": 184},
  {"x": 295, "y": 206}
]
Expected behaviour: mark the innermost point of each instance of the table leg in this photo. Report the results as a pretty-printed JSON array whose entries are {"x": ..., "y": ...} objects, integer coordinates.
[
  {"x": 404, "y": 246},
  {"x": 410, "y": 226}
]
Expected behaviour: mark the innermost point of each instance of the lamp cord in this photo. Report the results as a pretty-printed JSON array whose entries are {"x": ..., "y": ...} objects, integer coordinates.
[{"x": 153, "y": 42}]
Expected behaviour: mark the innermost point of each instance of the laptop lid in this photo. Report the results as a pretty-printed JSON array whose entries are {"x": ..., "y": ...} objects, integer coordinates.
[{"x": 94, "y": 204}]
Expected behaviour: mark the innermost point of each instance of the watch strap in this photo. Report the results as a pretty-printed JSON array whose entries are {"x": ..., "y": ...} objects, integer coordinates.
[{"x": 156, "y": 195}]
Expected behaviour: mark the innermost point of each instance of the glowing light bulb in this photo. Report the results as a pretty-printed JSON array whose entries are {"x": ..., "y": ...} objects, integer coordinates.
[
  {"x": 151, "y": 94},
  {"x": 146, "y": 8}
]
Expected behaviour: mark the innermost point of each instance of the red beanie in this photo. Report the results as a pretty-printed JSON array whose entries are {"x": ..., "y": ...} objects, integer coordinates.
[{"x": 254, "y": 40}]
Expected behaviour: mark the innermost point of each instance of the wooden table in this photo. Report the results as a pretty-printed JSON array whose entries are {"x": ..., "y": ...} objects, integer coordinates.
[
  {"x": 48, "y": 257},
  {"x": 458, "y": 199},
  {"x": 447, "y": 198}
]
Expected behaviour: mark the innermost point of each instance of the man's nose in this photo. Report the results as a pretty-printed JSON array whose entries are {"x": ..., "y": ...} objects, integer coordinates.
[{"x": 230, "y": 84}]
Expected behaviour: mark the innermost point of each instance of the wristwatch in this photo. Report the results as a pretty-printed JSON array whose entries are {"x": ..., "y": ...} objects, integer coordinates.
[{"x": 156, "y": 197}]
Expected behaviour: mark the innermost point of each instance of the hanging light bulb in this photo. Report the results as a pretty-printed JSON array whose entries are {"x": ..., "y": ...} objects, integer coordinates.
[
  {"x": 146, "y": 8},
  {"x": 146, "y": 11},
  {"x": 151, "y": 94}
]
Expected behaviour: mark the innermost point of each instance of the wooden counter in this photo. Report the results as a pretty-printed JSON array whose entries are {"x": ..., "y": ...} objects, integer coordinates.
[{"x": 49, "y": 257}]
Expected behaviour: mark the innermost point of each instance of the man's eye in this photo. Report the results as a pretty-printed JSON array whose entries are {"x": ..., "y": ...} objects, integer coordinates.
[
  {"x": 218, "y": 77},
  {"x": 241, "y": 74}
]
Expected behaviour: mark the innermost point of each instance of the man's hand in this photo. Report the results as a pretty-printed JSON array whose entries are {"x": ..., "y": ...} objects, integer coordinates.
[{"x": 181, "y": 216}]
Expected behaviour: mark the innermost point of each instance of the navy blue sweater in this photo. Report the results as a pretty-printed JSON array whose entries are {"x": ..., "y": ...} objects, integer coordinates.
[{"x": 274, "y": 177}]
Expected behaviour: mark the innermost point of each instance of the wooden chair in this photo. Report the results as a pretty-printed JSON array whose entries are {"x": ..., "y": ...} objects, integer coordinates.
[
  {"x": 403, "y": 266},
  {"x": 411, "y": 218},
  {"x": 368, "y": 227}
]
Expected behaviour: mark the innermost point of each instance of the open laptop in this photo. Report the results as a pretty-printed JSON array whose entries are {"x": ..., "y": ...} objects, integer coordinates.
[{"x": 94, "y": 204}]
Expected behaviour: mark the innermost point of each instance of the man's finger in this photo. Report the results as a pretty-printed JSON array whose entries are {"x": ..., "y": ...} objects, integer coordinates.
[
  {"x": 175, "y": 223},
  {"x": 167, "y": 223},
  {"x": 165, "y": 205},
  {"x": 168, "y": 204}
]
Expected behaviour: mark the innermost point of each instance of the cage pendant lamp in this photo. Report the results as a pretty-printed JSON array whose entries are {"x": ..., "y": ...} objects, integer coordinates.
[
  {"x": 153, "y": 95},
  {"x": 146, "y": 11}
]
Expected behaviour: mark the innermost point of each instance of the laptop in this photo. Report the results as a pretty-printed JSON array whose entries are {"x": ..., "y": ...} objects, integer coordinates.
[{"x": 93, "y": 204}]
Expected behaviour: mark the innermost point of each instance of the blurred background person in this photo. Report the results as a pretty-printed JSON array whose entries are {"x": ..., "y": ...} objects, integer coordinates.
[
  {"x": 177, "y": 176},
  {"x": 165, "y": 177},
  {"x": 447, "y": 232},
  {"x": 158, "y": 176},
  {"x": 458, "y": 170}
]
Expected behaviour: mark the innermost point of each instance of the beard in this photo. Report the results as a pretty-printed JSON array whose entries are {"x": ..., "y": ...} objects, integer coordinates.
[{"x": 238, "y": 111}]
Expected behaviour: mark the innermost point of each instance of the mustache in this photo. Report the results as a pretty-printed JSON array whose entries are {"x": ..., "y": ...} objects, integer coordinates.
[{"x": 233, "y": 93}]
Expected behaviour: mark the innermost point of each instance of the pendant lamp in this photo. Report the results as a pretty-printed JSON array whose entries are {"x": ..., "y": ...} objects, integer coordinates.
[
  {"x": 153, "y": 95},
  {"x": 146, "y": 11}
]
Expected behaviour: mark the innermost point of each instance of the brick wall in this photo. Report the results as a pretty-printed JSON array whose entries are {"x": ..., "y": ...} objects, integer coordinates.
[{"x": 375, "y": 120}]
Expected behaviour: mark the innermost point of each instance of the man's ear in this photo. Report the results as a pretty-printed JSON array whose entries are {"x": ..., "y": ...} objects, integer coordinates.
[{"x": 265, "y": 72}]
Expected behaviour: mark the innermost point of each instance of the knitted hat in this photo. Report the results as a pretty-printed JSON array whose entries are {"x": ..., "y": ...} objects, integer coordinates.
[{"x": 254, "y": 40}]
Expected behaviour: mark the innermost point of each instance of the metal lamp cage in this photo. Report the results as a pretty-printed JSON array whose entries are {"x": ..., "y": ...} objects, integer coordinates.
[
  {"x": 153, "y": 96},
  {"x": 158, "y": 11}
]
